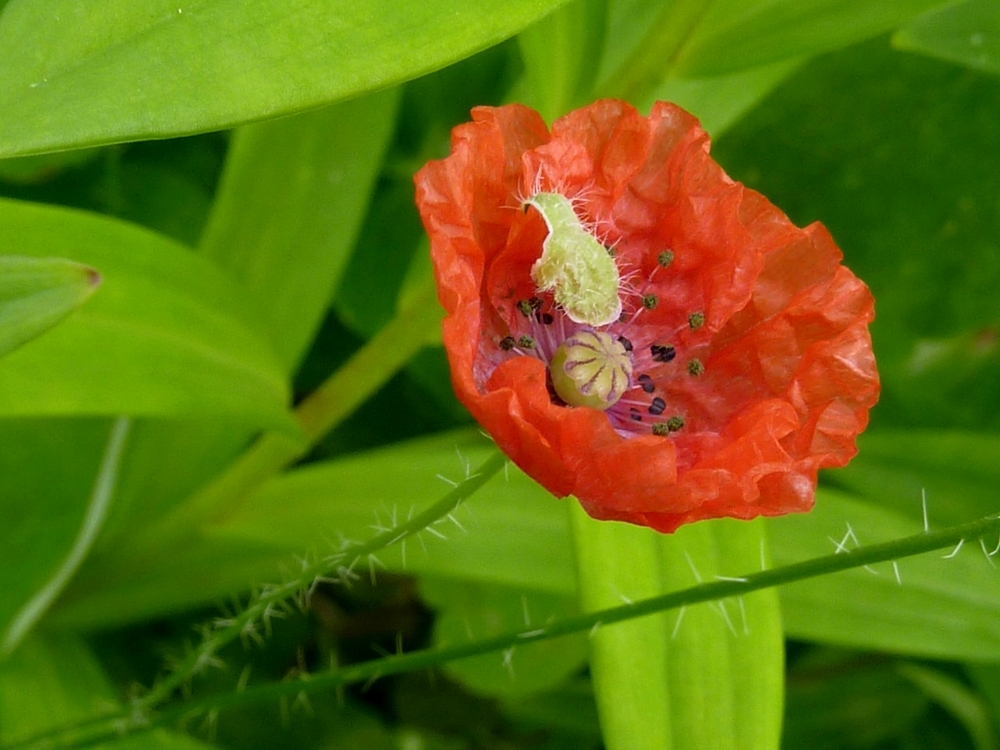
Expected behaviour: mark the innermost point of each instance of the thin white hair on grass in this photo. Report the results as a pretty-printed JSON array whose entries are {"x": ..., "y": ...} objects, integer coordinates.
[
  {"x": 372, "y": 562},
  {"x": 210, "y": 724},
  {"x": 743, "y": 616},
  {"x": 402, "y": 552},
  {"x": 923, "y": 505},
  {"x": 399, "y": 643},
  {"x": 468, "y": 628},
  {"x": 842, "y": 544},
  {"x": 625, "y": 599},
  {"x": 447, "y": 481},
  {"x": 532, "y": 633},
  {"x": 525, "y": 612},
  {"x": 378, "y": 528},
  {"x": 371, "y": 681},
  {"x": 508, "y": 662},
  {"x": 431, "y": 530},
  {"x": 454, "y": 520},
  {"x": 594, "y": 628},
  {"x": 464, "y": 462},
  {"x": 720, "y": 607},
  {"x": 302, "y": 701},
  {"x": 954, "y": 551},
  {"x": 244, "y": 679},
  {"x": 989, "y": 557},
  {"x": 895, "y": 571},
  {"x": 506, "y": 471},
  {"x": 694, "y": 570},
  {"x": 730, "y": 579},
  {"x": 763, "y": 555},
  {"x": 996, "y": 549},
  {"x": 677, "y": 622},
  {"x": 423, "y": 544}
]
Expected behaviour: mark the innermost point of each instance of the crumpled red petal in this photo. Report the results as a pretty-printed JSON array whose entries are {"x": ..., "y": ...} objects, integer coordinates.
[{"x": 789, "y": 374}]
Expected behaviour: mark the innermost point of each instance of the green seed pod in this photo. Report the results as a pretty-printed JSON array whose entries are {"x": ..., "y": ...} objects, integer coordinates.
[{"x": 591, "y": 368}]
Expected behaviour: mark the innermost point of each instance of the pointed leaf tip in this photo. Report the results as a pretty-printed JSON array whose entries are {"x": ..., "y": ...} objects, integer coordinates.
[{"x": 37, "y": 293}]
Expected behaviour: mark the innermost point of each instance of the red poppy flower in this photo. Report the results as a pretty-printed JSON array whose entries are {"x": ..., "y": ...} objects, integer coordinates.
[{"x": 731, "y": 360}]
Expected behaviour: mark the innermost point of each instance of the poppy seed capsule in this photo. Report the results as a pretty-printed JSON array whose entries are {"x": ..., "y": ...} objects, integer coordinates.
[{"x": 591, "y": 368}]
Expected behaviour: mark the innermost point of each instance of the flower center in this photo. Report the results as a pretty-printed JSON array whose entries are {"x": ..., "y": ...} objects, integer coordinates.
[{"x": 591, "y": 368}]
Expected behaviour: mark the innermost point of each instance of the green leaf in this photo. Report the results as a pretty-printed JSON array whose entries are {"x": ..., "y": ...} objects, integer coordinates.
[
  {"x": 314, "y": 507},
  {"x": 967, "y": 33},
  {"x": 704, "y": 676},
  {"x": 921, "y": 231},
  {"x": 22, "y": 566},
  {"x": 650, "y": 44},
  {"x": 834, "y": 695},
  {"x": 970, "y": 709},
  {"x": 36, "y": 293},
  {"x": 471, "y": 610},
  {"x": 55, "y": 679},
  {"x": 938, "y": 607},
  {"x": 47, "y": 470},
  {"x": 734, "y": 34},
  {"x": 561, "y": 56},
  {"x": 197, "y": 67},
  {"x": 284, "y": 222},
  {"x": 168, "y": 335},
  {"x": 290, "y": 206}
]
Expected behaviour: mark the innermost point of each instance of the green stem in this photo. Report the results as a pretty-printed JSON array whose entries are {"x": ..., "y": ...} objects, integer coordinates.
[
  {"x": 352, "y": 384},
  {"x": 375, "y": 669},
  {"x": 263, "y": 606}
]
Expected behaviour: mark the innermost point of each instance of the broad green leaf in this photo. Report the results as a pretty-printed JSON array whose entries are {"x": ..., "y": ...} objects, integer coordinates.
[
  {"x": 64, "y": 67},
  {"x": 288, "y": 209},
  {"x": 27, "y": 170},
  {"x": 561, "y": 56},
  {"x": 966, "y": 32},
  {"x": 314, "y": 508},
  {"x": 291, "y": 203},
  {"x": 167, "y": 335},
  {"x": 836, "y": 144},
  {"x": 471, "y": 610},
  {"x": 21, "y": 540},
  {"x": 734, "y": 34},
  {"x": 940, "y": 607},
  {"x": 957, "y": 698},
  {"x": 47, "y": 471},
  {"x": 720, "y": 101},
  {"x": 841, "y": 699},
  {"x": 937, "y": 606},
  {"x": 55, "y": 679},
  {"x": 703, "y": 676},
  {"x": 650, "y": 44},
  {"x": 36, "y": 293}
]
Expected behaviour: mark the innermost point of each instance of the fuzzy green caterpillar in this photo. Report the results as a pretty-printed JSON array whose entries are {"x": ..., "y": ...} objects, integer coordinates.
[{"x": 574, "y": 265}]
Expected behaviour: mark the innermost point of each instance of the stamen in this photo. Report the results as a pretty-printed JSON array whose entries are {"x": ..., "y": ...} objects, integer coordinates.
[
  {"x": 665, "y": 258},
  {"x": 662, "y": 353},
  {"x": 657, "y": 407},
  {"x": 507, "y": 343},
  {"x": 650, "y": 301},
  {"x": 646, "y": 383},
  {"x": 526, "y": 342},
  {"x": 696, "y": 320},
  {"x": 695, "y": 368}
]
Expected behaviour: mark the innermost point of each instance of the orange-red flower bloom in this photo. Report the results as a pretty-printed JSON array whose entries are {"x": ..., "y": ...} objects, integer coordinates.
[{"x": 749, "y": 363}]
